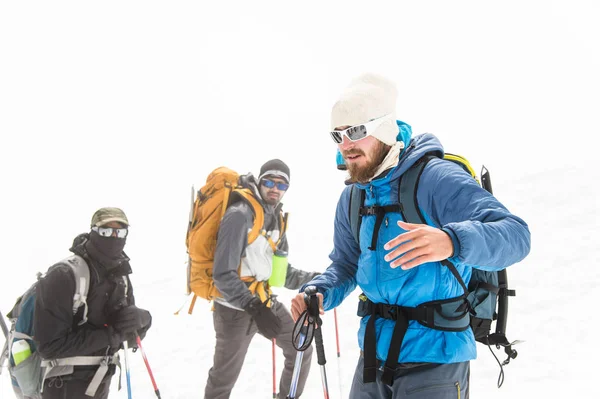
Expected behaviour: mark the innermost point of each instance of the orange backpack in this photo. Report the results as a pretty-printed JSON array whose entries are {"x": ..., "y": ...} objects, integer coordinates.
[{"x": 208, "y": 208}]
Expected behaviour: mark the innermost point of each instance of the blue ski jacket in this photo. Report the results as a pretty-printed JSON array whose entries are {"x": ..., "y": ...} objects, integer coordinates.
[{"x": 485, "y": 235}]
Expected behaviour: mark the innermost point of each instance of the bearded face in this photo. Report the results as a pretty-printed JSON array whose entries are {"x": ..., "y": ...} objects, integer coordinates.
[
  {"x": 272, "y": 189},
  {"x": 363, "y": 157}
]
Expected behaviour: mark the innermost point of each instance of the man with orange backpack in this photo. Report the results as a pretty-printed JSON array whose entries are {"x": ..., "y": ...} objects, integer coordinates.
[{"x": 244, "y": 263}]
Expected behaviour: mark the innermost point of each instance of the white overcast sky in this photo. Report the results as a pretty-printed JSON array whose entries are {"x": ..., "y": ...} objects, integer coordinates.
[{"x": 129, "y": 103}]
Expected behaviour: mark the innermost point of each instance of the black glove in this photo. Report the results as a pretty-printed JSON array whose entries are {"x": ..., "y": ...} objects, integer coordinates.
[
  {"x": 129, "y": 320},
  {"x": 268, "y": 324}
]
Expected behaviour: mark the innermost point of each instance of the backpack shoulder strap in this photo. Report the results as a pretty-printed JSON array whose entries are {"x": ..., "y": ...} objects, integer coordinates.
[
  {"x": 407, "y": 191},
  {"x": 259, "y": 213},
  {"x": 409, "y": 206},
  {"x": 81, "y": 272},
  {"x": 283, "y": 223},
  {"x": 357, "y": 199}
]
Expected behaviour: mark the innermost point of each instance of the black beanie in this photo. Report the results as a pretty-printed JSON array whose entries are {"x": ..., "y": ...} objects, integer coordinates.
[{"x": 275, "y": 167}]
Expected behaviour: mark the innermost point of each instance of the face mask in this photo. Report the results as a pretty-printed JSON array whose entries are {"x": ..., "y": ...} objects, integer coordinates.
[{"x": 111, "y": 247}]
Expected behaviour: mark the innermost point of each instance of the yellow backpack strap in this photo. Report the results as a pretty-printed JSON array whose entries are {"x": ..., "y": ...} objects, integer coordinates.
[
  {"x": 259, "y": 214},
  {"x": 462, "y": 161},
  {"x": 284, "y": 222},
  {"x": 260, "y": 288},
  {"x": 226, "y": 200}
]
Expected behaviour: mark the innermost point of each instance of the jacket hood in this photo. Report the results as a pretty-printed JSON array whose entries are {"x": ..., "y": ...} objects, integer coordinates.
[
  {"x": 420, "y": 145},
  {"x": 414, "y": 148}
]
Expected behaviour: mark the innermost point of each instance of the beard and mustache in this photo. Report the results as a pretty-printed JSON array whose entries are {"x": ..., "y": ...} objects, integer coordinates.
[{"x": 363, "y": 174}]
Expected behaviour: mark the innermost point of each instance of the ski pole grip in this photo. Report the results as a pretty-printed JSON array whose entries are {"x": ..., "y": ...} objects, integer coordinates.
[
  {"x": 312, "y": 302},
  {"x": 320, "y": 349},
  {"x": 309, "y": 291}
]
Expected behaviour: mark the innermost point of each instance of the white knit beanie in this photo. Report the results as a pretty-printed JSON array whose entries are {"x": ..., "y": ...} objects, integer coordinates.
[{"x": 368, "y": 97}]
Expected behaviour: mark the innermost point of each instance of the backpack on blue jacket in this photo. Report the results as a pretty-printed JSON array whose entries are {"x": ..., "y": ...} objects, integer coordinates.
[{"x": 484, "y": 301}]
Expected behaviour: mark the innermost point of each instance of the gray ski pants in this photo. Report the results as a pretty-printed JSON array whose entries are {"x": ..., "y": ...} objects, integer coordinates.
[
  {"x": 443, "y": 381},
  {"x": 234, "y": 332}
]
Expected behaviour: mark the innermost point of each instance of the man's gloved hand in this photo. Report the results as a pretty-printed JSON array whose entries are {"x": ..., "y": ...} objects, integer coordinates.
[
  {"x": 268, "y": 324},
  {"x": 130, "y": 319}
]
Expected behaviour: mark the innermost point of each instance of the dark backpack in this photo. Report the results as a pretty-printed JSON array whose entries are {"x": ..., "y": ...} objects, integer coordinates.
[
  {"x": 27, "y": 376},
  {"x": 486, "y": 294}
]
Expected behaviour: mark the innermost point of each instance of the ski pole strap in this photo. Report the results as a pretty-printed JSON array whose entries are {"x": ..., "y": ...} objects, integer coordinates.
[
  {"x": 308, "y": 321},
  {"x": 445, "y": 315},
  {"x": 303, "y": 333}
]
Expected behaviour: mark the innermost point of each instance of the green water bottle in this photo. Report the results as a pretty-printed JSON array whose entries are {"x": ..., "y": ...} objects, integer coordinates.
[
  {"x": 20, "y": 351},
  {"x": 279, "y": 270}
]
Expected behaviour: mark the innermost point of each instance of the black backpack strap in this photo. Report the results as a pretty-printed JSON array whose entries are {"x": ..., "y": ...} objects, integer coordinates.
[
  {"x": 409, "y": 206},
  {"x": 370, "y": 352},
  {"x": 407, "y": 191},
  {"x": 379, "y": 213},
  {"x": 357, "y": 199},
  {"x": 356, "y": 211},
  {"x": 445, "y": 315},
  {"x": 400, "y": 328}
]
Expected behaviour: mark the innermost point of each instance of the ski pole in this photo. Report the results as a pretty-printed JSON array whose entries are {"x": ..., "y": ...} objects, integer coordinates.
[
  {"x": 274, "y": 372},
  {"x": 5, "y": 352},
  {"x": 139, "y": 344},
  {"x": 310, "y": 294},
  {"x": 3, "y": 326},
  {"x": 125, "y": 349},
  {"x": 298, "y": 363},
  {"x": 337, "y": 338},
  {"x": 337, "y": 342}
]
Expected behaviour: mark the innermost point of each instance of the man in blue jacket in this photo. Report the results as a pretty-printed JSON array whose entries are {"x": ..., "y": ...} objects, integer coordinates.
[{"x": 403, "y": 264}]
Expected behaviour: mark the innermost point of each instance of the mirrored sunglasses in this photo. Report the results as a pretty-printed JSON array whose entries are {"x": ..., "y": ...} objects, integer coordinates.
[
  {"x": 108, "y": 231},
  {"x": 358, "y": 132},
  {"x": 270, "y": 184}
]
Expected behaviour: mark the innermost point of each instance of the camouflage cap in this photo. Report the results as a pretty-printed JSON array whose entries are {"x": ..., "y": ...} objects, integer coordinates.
[{"x": 107, "y": 215}]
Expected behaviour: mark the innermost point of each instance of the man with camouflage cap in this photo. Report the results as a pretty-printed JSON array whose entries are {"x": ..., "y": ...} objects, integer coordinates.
[{"x": 97, "y": 329}]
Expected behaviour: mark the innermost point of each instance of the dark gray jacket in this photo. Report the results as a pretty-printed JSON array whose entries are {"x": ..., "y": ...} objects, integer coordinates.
[{"x": 256, "y": 259}]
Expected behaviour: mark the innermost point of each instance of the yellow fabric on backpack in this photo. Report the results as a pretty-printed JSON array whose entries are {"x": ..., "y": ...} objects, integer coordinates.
[
  {"x": 201, "y": 240},
  {"x": 462, "y": 161}
]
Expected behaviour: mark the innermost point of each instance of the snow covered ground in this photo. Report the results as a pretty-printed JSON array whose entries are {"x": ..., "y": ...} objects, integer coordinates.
[{"x": 129, "y": 104}]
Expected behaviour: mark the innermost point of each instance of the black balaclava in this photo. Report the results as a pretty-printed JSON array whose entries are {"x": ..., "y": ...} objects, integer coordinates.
[{"x": 107, "y": 250}]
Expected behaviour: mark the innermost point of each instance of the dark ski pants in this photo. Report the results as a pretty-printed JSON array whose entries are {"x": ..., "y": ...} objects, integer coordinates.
[
  {"x": 59, "y": 388},
  {"x": 234, "y": 331},
  {"x": 443, "y": 381}
]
